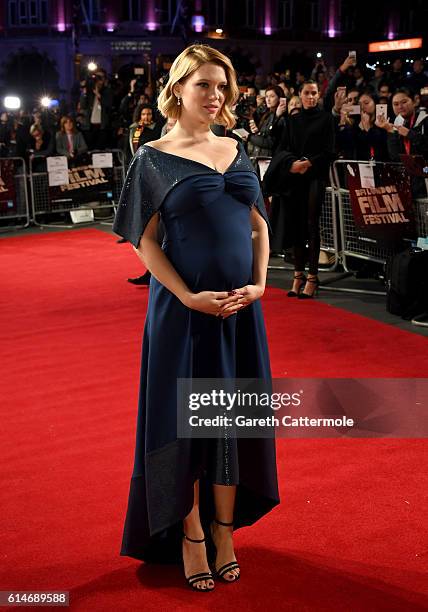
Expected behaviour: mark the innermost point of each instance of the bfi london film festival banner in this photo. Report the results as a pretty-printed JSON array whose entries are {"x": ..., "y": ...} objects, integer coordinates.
[
  {"x": 381, "y": 202},
  {"x": 86, "y": 183},
  {"x": 7, "y": 186}
]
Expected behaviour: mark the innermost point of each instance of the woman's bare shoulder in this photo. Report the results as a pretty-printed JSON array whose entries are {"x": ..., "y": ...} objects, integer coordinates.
[
  {"x": 232, "y": 141},
  {"x": 159, "y": 143}
]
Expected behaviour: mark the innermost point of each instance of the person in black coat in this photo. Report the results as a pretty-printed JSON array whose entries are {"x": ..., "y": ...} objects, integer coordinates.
[{"x": 299, "y": 173}]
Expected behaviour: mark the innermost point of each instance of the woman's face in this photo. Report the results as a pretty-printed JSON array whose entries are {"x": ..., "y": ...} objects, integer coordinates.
[
  {"x": 403, "y": 105},
  {"x": 68, "y": 125},
  {"x": 203, "y": 93},
  {"x": 146, "y": 116},
  {"x": 367, "y": 105},
  {"x": 294, "y": 104},
  {"x": 309, "y": 95},
  {"x": 271, "y": 99}
]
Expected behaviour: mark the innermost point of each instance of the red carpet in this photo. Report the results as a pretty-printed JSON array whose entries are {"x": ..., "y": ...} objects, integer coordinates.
[{"x": 350, "y": 533}]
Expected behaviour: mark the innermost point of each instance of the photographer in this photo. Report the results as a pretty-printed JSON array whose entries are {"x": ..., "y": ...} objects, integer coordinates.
[
  {"x": 343, "y": 77},
  {"x": 247, "y": 106},
  {"x": 130, "y": 102},
  {"x": 347, "y": 113},
  {"x": 358, "y": 136},
  {"x": 96, "y": 104}
]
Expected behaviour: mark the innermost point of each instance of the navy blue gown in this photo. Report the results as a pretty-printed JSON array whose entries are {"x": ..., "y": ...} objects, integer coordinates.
[{"x": 206, "y": 216}]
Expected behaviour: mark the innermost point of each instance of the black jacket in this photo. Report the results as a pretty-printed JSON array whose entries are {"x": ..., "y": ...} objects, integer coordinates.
[
  {"x": 266, "y": 141},
  {"x": 418, "y": 138},
  {"x": 310, "y": 134}
]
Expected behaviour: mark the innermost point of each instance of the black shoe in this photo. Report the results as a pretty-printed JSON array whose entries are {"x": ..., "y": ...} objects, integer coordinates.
[
  {"x": 141, "y": 280},
  {"x": 121, "y": 240},
  {"x": 302, "y": 278},
  {"x": 227, "y": 567},
  {"x": 307, "y": 296},
  {"x": 195, "y": 578}
]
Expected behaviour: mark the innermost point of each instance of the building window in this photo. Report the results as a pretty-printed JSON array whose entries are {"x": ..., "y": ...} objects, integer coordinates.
[
  {"x": 166, "y": 11},
  {"x": 91, "y": 11},
  {"x": 216, "y": 13},
  {"x": 347, "y": 16},
  {"x": 286, "y": 9},
  {"x": 250, "y": 13},
  {"x": 407, "y": 21},
  {"x": 28, "y": 12},
  {"x": 131, "y": 10},
  {"x": 314, "y": 14}
]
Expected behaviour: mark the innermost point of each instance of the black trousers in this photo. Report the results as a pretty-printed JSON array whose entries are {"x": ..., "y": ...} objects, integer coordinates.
[{"x": 308, "y": 200}]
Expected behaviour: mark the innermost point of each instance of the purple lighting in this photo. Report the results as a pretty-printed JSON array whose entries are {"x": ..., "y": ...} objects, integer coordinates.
[
  {"x": 151, "y": 26},
  {"x": 331, "y": 33},
  {"x": 198, "y": 23},
  {"x": 391, "y": 35},
  {"x": 267, "y": 28},
  {"x": 110, "y": 27},
  {"x": 60, "y": 27}
]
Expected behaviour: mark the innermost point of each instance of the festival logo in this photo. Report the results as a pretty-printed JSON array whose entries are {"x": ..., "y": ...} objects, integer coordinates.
[{"x": 381, "y": 202}]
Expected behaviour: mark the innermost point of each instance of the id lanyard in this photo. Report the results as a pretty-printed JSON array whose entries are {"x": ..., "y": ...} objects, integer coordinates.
[{"x": 406, "y": 138}]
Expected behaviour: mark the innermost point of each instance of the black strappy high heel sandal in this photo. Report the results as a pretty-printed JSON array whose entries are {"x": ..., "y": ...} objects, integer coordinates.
[
  {"x": 306, "y": 296},
  {"x": 227, "y": 567},
  {"x": 195, "y": 578},
  {"x": 303, "y": 279}
]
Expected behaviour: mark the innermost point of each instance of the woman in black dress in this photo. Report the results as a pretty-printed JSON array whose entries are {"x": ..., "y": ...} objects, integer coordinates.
[
  {"x": 204, "y": 320},
  {"x": 302, "y": 166}
]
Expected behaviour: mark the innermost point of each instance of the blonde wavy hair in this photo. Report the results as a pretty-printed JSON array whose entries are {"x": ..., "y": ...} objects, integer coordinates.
[{"x": 183, "y": 66}]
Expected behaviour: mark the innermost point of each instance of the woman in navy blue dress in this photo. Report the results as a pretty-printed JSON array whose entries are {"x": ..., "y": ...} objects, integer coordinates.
[{"x": 204, "y": 320}]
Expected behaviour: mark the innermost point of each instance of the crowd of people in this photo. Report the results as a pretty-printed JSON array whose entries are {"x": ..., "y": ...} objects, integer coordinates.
[
  {"x": 303, "y": 123},
  {"x": 107, "y": 113}
]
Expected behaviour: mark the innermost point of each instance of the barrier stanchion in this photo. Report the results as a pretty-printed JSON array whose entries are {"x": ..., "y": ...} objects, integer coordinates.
[
  {"x": 89, "y": 188},
  {"x": 14, "y": 204},
  {"x": 329, "y": 226}
]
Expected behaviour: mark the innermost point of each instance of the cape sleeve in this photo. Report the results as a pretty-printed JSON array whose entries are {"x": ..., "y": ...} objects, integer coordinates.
[
  {"x": 136, "y": 203},
  {"x": 260, "y": 205}
]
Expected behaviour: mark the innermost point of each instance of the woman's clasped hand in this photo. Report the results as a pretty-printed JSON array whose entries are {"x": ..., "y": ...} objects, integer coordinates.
[
  {"x": 224, "y": 303},
  {"x": 300, "y": 166}
]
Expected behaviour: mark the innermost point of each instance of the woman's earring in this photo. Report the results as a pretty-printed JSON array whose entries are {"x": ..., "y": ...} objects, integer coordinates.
[{"x": 178, "y": 101}]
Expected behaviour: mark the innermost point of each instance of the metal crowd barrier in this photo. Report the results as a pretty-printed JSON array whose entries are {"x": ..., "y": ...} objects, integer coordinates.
[
  {"x": 13, "y": 194},
  {"x": 421, "y": 216},
  {"x": 351, "y": 245},
  {"x": 329, "y": 232},
  {"x": 43, "y": 204}
]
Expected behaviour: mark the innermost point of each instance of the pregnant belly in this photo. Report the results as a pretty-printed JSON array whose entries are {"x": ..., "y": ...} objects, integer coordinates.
[{"x": 217, "y": 266}]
